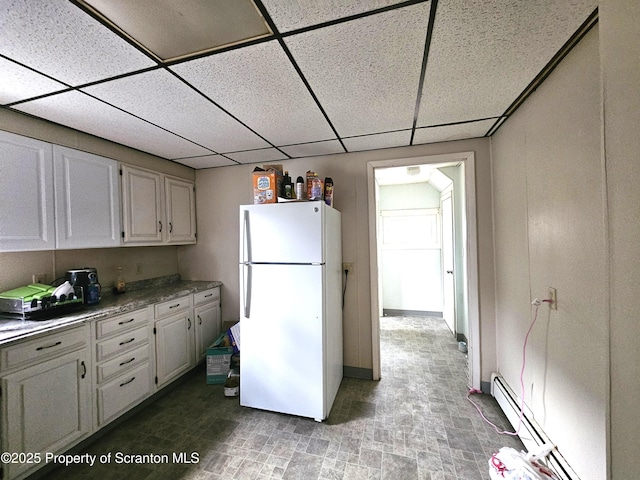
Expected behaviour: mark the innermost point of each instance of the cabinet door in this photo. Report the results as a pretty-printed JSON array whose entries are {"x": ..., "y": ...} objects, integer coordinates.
[
  {"x": 26, "y": 194},
  {"x": 174, "y": 347},
  {"x": 180, "y": 206},
  {"x": 46, "y": 407},
  {"x": 207, "y": 324},
  {"x": 87, "y": 198},
  {"x": 141, "y": 206}
]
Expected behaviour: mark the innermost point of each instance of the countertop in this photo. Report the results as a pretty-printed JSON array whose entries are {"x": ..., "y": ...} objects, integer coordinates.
[{"x": 138, "y": 295}]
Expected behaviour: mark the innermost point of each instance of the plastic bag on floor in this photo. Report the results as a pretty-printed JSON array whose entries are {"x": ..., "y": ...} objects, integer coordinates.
[{"x": 509, "y": 464}]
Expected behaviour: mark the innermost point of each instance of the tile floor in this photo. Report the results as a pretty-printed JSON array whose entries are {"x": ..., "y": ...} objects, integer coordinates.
[{"x": 415, "y": 423}]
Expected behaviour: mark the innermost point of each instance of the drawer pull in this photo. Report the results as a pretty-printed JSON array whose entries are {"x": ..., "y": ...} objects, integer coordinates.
[
  {"x": 128, "y": 341},
  {"x": 189, "y": 327},
  {"x": 128, "y": 361},
  {"x": 174, "y": 306},
  {"x": 126, "y": 321},
  {"x": 84, "y": 369},
  {"x": 208, "y": 295},
  {"x": 127, "y": 382},
  {"x": 48, "y": 346}
]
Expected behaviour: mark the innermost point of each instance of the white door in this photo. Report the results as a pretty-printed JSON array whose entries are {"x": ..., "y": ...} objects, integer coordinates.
[
  {"x": 282, "y": 339},
  {"x": 207, "y": 326},
  {"x": 282, "y": 233},
  {"x": 87, "y": 197},
  {"x": 448, "y": 285},
  {"x": 174, "y": 343}
]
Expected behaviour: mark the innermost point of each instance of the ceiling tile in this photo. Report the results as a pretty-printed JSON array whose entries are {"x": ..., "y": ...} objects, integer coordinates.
[
  {"x": 365, "y": 72},
  {"x": 19, "y": 83},
  {"x": 484, "y": 54},
  {"x": 313, "y": 149},
  {"x": 258, "y": 84},
  {"x": 57, "y": 38},
  {"x": 458, "y": 131},
  {"x": 291, "y": 15},
  {"x": 254, "y": 156},
  {"x": 380, "y": 140},
  {"x": 161, "y": 98},
  {"x": 185, "y": 27},
  {"x": 206, "y": 161},
  {"x": 82, "y": 112}
]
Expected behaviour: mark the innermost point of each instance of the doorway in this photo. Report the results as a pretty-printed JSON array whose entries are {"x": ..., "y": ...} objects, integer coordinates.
[{"x": 463, "y": 254}]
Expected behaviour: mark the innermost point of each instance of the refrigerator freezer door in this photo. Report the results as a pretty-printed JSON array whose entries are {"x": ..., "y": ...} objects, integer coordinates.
[
  {"x": 282, "y": 233},
  {"x": 282, "y": 341}
]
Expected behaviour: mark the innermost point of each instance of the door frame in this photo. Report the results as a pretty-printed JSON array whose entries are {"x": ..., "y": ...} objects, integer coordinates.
[{"x": 471, "y": 260}]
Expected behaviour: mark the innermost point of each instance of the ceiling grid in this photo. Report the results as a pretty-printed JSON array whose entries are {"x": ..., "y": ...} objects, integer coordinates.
[{"x": 317, "y": 78}]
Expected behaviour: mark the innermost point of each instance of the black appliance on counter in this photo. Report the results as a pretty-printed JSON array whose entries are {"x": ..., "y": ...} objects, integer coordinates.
[{"x": 87, "y": 279}]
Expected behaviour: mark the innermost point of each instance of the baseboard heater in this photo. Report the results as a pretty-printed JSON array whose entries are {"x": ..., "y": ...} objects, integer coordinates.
[{"x": 531, "y": 433}]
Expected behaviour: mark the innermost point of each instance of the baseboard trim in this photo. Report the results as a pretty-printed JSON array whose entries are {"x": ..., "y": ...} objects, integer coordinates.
[
  {"x": 392, "y": 312},
  {"x": 357, "y": 372}
]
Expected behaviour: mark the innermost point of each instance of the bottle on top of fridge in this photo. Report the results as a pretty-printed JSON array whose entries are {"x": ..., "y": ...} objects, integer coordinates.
[
  {"x": 328, "y": 191},
  {"x": 287, "y": 186},
  {"x": 300, "y": 188}
]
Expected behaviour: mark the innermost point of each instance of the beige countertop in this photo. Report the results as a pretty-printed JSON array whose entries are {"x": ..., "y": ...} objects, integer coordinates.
[{"x": 138, "y": 295}]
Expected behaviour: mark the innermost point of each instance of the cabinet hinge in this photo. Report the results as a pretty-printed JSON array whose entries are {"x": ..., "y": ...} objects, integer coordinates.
[
  {"x": 122, "y": 233},
  {"x": 120, "y": 172},
  {"x": 154, "y": 330},
  {"x": 156, "y": 380}
]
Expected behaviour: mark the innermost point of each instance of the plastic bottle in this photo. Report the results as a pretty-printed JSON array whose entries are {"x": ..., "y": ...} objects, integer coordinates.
[
  {"x": 119, "y": 286},
  {"x": 287, "y": 186},
  {"x": 328, "y": 191},
  {"x": 300, "y": 188}
]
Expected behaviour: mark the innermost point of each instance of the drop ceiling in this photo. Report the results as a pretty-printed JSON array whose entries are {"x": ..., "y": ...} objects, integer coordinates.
[{"x": 292, "y": 78}]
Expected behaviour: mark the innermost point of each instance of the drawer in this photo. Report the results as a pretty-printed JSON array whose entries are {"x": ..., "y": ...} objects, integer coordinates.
[
  {"x": 211, "y": 295},
  {"x": 172, "y": 306},
  {"x": 121, "y": 322},
  {"x": 108, "y": 369},
  {"x": 121, "y": 343},
  {"x": 119, "y": 395},
  {"x": 45, "y": 347}
]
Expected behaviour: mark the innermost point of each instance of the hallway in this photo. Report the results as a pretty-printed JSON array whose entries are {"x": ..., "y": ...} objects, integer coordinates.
[{"x": 415, "y": 423}]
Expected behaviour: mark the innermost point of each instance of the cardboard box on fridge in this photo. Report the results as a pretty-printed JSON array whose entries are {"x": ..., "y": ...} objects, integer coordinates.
[{"x": 266, "y": 186}]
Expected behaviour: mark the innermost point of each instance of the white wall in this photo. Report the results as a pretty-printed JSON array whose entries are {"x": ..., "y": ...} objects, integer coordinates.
[
  {"x": 620, "y": 57},
  {"x": 220, "y": 191},
  {"x": 411, "y": 273},
  {"x": 550, "y": 232}
]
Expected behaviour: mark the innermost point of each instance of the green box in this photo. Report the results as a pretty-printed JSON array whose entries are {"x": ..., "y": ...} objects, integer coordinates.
[{"x": 218, "y": 361}]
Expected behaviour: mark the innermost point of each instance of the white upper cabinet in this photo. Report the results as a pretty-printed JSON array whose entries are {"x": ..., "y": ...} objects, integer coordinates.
[
  {"x": 157, "y": 209},
  {"x": 180, "y": 207},
  {"x": 26, "y": 194},
  {"x": 141, "y": 206},
  {"x": 87, "y": 199}
]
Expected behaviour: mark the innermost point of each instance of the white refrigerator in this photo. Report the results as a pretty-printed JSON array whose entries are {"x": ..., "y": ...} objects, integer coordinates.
[{"x": 290, "y": 307}]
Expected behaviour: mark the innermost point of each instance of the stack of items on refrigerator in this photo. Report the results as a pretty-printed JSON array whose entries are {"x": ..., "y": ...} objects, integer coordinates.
[{"x": 272, "y": 185}]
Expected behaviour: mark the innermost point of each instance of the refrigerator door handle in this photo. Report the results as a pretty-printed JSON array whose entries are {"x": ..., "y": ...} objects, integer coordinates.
[
  {"x": 246, "y": 238},
  {"x": 246, "y": 291}
]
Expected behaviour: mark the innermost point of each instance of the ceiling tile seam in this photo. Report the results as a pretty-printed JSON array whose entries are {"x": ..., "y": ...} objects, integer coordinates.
[
  {"x": 102, "y": 20},
  {"x": 278, "y": 36},
  {"x": 462, "y": 122},
  {"x": 34, "y": 70},
  {"x": 423, "y": 67},
  {"x": 582, "y": 30},
  {"x": 224, "y": 110},
  {"x": 147, "y": 121},
  {"x": 350, "y": 18}
]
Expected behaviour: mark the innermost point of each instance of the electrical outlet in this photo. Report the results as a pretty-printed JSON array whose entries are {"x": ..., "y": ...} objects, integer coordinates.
[
  {"x": 39, "y": 278},
  {"x": 347, "y": 267},
  {"x": 553, "y": 296}
]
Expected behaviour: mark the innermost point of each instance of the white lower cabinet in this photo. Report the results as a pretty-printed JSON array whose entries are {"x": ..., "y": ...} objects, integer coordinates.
[
  {"x": 123, "y": 368},
  {"x": 174, "y": 339},
  {"x": 206, "y": 316},
  {"x": 46, "y": 407}
]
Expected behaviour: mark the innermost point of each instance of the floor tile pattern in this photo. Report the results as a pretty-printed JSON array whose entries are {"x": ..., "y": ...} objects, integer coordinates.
[{"x": 415, "y": 423}]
